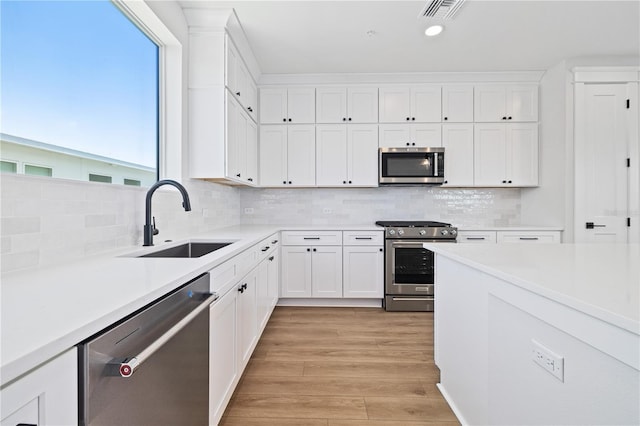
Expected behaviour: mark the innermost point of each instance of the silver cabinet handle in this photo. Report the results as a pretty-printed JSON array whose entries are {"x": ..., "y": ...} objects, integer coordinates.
[
  {"x": 130, "y": 365},
  {"x": 419, "y": 299},
  {"x": 435, "y": 166}
]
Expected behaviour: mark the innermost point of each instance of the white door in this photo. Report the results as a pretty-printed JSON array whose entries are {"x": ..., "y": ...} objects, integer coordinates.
[
  {"x": 232, "y": 145},
  {"x": 426, "y": 104},
  {"x": 232, "y": 59},
  {"x": 326, "y": 271},
  {"x": 243, "y": 78},
  {"x": 362, "y": 155},
  {"x": 301, "y": 155},
  {"x": 489, "y": 156},
  {"x": 489, "y": 103},
  {"x": 522, "y": 154},
  {"x": 601, "y": 150},
  {"x": 296, "y": 271},
  {"x": 457, "y": 140},
  {"x": 331, "y": 155},
  {"x": 331, "y": 105},
  {"x": 394, "y": 136},
  {"x": 457, "y": 103},
  {"x": 247, "y": 320},
  {"x": 394, "y": 104},
  {"x": 273, "y": 275},
  {"x": 241, "y": 144},
  {"x": 263, "y": 301},
  {"x": 363, "y": 271},
  {"x": 251, "y": 169},
  {"x": 301, "y": 105},
  {"x": 522, "y": 103},
  {"x": 273, "y": 155},
  {"x": 273, "y": 106},
  {"x": 362, "y": 105},
  {"x": 426, "y": 135}
]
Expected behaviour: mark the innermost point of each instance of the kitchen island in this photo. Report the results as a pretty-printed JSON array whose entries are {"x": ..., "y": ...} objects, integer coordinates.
[{"x": 539, "y": 334}]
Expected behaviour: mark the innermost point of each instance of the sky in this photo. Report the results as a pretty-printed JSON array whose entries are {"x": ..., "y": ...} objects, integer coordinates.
[{"x": 78, "y": 74}]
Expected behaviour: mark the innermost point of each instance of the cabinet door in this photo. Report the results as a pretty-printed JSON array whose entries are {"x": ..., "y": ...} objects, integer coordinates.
[
  {"x": 331, "y": 105},
  {"x": 242, "y": 135},
  {"x": 490, "y": 103},
  {"x": 426, "y": 135},
  {"x": 522, "y": 154},
  {"x": 252, "y": 100},
  {"x": 426, "y": 104},
  {"x": 394, "y": 136},
  {"x": 263, "y": 301},
  {"x": 233, "y": 146},
  {"x": 362, "y": 105},
  {"x": 326, "y": 271},
  {"x": 489, "y": 155},
  {"x": 457, "y": 140},
  {"x": 362, "y": 155},
  {"x": 273, "y": 276},
  {"x": 301, "y": 155},
  {"x": 522, "y": 103},
  {"x": 222, "y": 354},
  {"x": 251, "y": 151},
  {"x": 457, "y": 104},
  {"x": 232, "y": 59},
  {"x": 296, "y": 271},
  {"x": 273, "y": 106},
  {"x": 363, "y": 271},
  {"x": 273, "y": 155},
  {"x": 247, "y": 319},
  {"x": 301, "y": 105},
  {"x": 395, "y": 105},
  {"x": 243, "y": 79},
  {"x": 331, "y": 155}
]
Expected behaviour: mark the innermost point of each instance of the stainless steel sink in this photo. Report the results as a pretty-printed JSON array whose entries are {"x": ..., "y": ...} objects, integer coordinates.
[{"x": 188, "y": 250}]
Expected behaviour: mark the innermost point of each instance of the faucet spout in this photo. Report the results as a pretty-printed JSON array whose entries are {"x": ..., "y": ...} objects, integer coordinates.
[{"x": 148, "y": 226}]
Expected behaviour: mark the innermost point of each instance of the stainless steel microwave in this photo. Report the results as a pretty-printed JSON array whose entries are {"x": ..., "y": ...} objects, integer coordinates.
[{"x": 411, "y": 166}]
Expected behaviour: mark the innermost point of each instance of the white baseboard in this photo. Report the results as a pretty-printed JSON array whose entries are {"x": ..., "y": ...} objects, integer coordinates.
[
  {"x": 453, "y": 406},
  {"x": 345, "y": 303}
]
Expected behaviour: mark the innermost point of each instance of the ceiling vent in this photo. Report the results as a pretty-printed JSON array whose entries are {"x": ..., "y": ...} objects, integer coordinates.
[{"x": 441, "y": 9}]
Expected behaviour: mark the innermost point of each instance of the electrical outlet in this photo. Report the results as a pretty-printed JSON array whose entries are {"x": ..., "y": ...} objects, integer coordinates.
[
  {"x": 248, "y": 210},
  {"x": 326, "y": 210},
  {"x": 548, "y": 360}
]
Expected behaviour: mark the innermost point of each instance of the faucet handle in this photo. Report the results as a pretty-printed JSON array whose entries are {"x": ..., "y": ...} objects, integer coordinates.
[{"x": 156, "y": 231}]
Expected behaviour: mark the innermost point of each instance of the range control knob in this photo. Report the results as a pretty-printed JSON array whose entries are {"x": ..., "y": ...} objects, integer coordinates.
[
  {"x": 454, "y": 232},
  {"x": 392, "y": 231},
  {"x": 400, "y": 232},
  {"x": 444, "y": 232},
  {"x": 422, "y": 232}
]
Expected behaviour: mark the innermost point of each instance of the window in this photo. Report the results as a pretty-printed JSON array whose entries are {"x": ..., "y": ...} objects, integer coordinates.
[
  {"x": 83, "y": 85},
  {"x": 37, "y": 170},
  {"x": 132, "y": 182},
  {"x": 8, "y": 167},
  {"x": 99, "y": 178}
]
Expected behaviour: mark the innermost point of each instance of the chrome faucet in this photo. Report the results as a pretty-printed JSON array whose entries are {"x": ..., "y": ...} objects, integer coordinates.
[{"x": 150, "y": 228}]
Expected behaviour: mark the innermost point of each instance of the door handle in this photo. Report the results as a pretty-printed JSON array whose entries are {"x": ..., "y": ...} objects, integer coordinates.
[
  {"x": 131, "y": 364},
  {"x": 591, "y": 225}
]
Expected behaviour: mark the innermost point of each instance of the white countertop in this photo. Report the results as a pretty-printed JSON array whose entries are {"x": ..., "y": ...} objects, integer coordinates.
[
  {"x": 516, "y": 228},
  {"x": 48, "y": 310},
  {"x": 600, "y": 280}
]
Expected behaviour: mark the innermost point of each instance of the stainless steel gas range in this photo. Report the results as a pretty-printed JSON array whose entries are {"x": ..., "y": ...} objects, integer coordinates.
[{"x": 408, "y": 267}]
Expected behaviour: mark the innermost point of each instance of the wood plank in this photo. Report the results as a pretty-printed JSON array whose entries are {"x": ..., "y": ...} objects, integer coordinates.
[
  {"x": 260, "y": 367},
  {"x": 388, "y": 423},
  {"x": 347, "y": 355},
  {"x": 244, "y": 421},
  {"x": 409, "y": 370},
  {"x": 301, "y": 406},
  {"x": 409, "y": 409}
]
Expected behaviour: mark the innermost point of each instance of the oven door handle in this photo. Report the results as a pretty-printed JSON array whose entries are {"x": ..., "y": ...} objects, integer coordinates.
[
  {"x": 408, "y": 244},
  {"x": 127, "y": 367}
]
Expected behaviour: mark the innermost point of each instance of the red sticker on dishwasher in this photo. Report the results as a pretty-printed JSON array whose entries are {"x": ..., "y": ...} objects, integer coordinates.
[{"x": 125, "y": 370}]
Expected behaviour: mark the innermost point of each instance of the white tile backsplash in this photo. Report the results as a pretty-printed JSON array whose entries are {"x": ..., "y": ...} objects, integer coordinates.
[{"x": 47, "y": 221}]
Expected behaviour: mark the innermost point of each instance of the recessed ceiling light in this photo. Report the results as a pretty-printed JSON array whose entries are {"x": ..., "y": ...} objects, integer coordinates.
[{"x": 433, "y": 30}]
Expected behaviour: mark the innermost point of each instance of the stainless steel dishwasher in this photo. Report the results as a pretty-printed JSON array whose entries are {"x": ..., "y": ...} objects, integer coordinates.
[{"x": 151, "y": 368}]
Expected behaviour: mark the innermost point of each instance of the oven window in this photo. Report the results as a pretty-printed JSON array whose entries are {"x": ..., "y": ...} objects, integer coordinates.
[
  {"x": 413, "y": 266},
  {"x": 399, "y": 165}
]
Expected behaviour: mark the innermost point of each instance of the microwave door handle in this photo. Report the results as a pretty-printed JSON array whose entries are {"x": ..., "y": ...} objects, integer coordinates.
[{"x": 435, "y": 161}]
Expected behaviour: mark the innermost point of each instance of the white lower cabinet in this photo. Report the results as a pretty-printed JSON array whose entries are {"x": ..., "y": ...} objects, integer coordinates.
[
  {"x": 309, "y": 271},
  {"x": 267, "y": 290},
  {"x": 492, "y": 237},
  {"x": 47, "y": 395},
  {"x": 247, "y": 317},
  {"x": 223, "y": 361},
  {"x": 363, "y": 271}
]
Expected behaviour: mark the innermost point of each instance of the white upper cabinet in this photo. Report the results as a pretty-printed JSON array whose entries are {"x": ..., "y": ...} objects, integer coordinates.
[
  {"x": 506, "y": 155},
  {"x": 506, "y": 103},
  {"x": 287, "y": 105},
  {"x": 347, "y": 105},
  {"x": 457, "y": 103},
  {"x": 287, "y": 155},
  {"x": 346, "y": 155},
  {"x": 242, "y": 145},
  {"x": 422, "y": 104},
  {"x": 457, "y": 140},
  {"x": 238, "y": 80},
  {"x": 418, "y": 135}
]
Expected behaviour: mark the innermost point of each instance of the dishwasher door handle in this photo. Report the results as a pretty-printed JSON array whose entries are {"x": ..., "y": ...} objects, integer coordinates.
[{"x": 129, "y": 365}]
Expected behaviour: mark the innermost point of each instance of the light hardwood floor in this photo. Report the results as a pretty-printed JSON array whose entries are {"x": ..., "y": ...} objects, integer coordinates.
[{"x": 341, "y": 367}]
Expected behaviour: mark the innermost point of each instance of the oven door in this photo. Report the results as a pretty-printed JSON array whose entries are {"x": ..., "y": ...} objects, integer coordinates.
[
  {"x": 411, "y": 165},
  {"x": 409, "y": 268}
]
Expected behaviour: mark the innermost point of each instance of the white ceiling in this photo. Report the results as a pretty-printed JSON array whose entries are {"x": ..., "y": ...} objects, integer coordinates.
[{"x": 331, "y": 36}]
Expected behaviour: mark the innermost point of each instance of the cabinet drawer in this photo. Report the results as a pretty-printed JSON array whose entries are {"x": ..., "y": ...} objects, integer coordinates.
[
  {"x": 223, "y": 275},
  {"x": 315, "y": 238},
  {"x": 529, "y": 237},
  {"x": 268, "y": 245},
  {"x": 363, "y": 238},
  {"x": 477, "y": 237}
]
